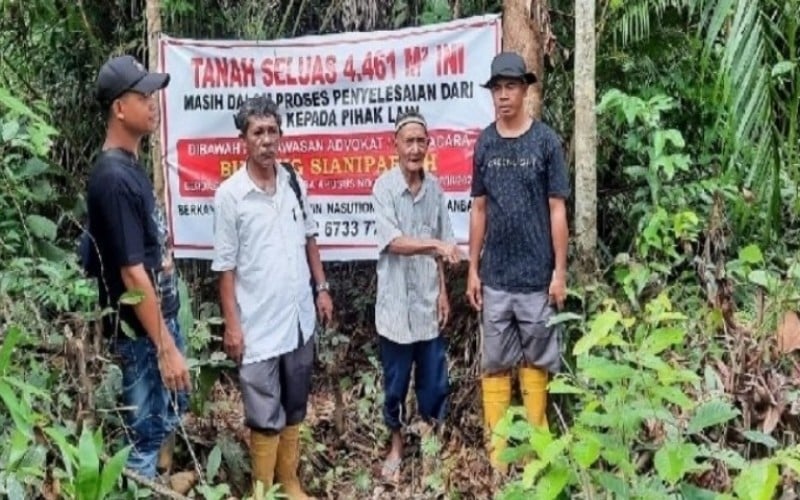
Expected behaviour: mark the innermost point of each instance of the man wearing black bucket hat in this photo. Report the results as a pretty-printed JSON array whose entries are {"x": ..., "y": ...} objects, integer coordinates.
[
  {"x": 126, "y": 249},
  {"x": 518, "y": 248}
]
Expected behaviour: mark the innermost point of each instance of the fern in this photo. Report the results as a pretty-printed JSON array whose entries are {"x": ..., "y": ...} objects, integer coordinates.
[{"x": 633, "y": 18}]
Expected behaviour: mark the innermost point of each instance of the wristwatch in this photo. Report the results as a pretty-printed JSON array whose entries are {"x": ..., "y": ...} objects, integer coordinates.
[{"x": 323, "y": 287}]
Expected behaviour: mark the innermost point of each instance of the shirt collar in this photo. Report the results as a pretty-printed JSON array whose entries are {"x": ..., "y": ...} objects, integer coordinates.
[
  {"x": 401, "y": 186},
  {"x": 245, "y": 185}
]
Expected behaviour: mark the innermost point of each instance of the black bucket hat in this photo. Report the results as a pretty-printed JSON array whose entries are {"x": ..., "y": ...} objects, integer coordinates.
[{"x": 509, "y": 65}]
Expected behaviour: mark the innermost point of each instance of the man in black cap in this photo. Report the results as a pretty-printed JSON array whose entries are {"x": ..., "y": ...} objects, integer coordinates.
[
  {"x": 129, "y": 254},
  {"x": 518, "y": 248}
]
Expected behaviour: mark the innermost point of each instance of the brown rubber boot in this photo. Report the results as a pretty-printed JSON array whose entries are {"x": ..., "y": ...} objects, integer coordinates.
[
  {"x": 288, "y": 460},
  {"x": 263, "y": 453}
]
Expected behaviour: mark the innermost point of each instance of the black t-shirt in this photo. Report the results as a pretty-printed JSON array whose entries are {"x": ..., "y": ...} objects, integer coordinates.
[
  {"x": 518, "y": 176},
  {"x": 128, "y": 229}
]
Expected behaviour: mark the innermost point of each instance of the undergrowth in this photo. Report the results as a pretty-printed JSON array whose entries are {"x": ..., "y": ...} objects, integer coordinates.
[{"x": 676, "y": 383}]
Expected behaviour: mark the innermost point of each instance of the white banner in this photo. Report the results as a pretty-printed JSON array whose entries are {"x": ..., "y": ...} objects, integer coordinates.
[{"x": 339, "y": 96}]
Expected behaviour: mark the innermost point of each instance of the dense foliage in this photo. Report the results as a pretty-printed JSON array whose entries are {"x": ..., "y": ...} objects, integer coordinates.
[{"x": 681, "y": 376}]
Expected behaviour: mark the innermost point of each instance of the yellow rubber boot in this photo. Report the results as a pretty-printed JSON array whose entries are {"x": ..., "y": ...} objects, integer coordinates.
[
  {"x": 533, "y": 382},
  {"x": 496, "y": 391},
  {"x": 288, "y": 460},
  {"x": 263, "y": 454}
]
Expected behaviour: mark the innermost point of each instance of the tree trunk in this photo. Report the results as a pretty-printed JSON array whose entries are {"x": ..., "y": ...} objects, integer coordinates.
[
  {"x": 153, "y": 16},
  {"x": 526, "y": 30},
  {"x": 585, "y": 137}
]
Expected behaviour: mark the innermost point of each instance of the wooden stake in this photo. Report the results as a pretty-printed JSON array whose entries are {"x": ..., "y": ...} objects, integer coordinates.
[{"x": 153, "y": 16}]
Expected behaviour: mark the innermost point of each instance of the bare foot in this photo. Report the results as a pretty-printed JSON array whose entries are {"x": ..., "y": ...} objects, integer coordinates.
[{"x": 391, "y": 466}]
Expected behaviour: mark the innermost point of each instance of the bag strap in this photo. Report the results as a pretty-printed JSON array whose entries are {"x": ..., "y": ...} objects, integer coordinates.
[{"x": 295, "y": 186}]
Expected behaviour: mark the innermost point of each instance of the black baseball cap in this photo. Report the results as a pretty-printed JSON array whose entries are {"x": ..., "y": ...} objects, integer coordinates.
[
  {"x": 124, "y": 73},
  {"x": 509, "y": 65}
]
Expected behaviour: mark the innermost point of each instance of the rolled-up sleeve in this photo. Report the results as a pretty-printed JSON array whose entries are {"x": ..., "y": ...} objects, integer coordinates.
[
  {"x": 226, "y": 239},
  {"x": 386, "y": 224},
  {"x": 310, "y": 223}
]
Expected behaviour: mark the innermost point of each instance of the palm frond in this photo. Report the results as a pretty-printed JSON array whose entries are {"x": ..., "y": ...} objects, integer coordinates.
[
  {"x": 736, "y": 37},
  {"x": 633, "y": 18}
]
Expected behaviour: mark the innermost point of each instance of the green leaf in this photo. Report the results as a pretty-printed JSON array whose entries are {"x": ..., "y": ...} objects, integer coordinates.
[
  {"x": 711, "y": 413},
  {"x": 783, "y": 67},
  {"x": 127, "y": 329},
  {"x": 12, "y": 337},
  {"x": 214, "y": 461},
  {"x": 730, "y": 458},
  {"x": 751, "y": 254},
  {"x": 550, "y": 486},
  {"x": 32, "y": 167},
  {"x": 759, "y": 481},
  {"x": 674, "y": 460},
  {"x": 88, "y": 480},
  {"x": 603, "y": 369},
  {"x": 131, "y": 297},
  {"x": 41, "y": 227},
  {"x": 600, "y": 327},
  {"x": 19, "y": 414},
  {"x": 564, "y": 317},
  {"x": 68, "y": 451},
  {"x": 586, "y": 449},
  {"x": 10, "y": 130},
  {"x": 559, "y": 385},
  {"x": 690, "y": 492},
  {"x": 112, "y": 471},
  {"x": 662, "y": 338},
  {"x": 759, "y": 277},
  {"x": 672, "y": 394},
  {"x": 761, "y": 438}
]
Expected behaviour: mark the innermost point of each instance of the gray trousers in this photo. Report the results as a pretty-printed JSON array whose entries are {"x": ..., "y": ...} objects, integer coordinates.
[
  {"x": 515, "y": 329},
  {"x": 275, "y": 391}
]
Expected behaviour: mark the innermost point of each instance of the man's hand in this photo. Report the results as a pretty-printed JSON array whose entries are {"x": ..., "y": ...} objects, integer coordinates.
[
  {"x": 443, "y": 309},
  {"x": 233, "y": 343},
  {"x": 173, "y": 368},
  {"x": 325, "y": 307},
  {"x": 474, "y": 294},
  {"x": 450, "y": 253},
  {"x": 558, "y": 290}
]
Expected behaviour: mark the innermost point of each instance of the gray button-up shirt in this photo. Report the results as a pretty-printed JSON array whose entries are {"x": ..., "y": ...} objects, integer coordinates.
[{"x": 408, "y": 286}]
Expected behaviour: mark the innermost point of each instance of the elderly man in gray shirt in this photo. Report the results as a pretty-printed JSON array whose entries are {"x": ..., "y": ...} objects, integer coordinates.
[{"x": 414, "y": 238}]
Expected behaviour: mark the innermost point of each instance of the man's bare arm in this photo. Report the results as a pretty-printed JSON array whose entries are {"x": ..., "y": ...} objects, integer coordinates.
[
  {"x": 148, "y": 310},
  {"x": 477, "y": 230},
  {"x": 227, "y": 297},
  {"x": 406, "y": 245},
  {"x": 559, "y": 232},
  {"x": 315, "y": 260},
  {"x": 171, "y": 362}
]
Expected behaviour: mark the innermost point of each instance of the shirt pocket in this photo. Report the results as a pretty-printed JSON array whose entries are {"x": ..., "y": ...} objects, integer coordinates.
[{"x": 258, "y": 226}]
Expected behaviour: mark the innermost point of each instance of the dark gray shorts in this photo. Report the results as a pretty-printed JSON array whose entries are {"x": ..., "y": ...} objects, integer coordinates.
[
  {"x": 275, "y": 391},
  {"x": 515, "y": 329}
]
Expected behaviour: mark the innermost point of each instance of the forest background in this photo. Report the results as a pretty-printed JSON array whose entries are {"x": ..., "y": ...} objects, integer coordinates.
[{"x": 681, "y": 375}]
